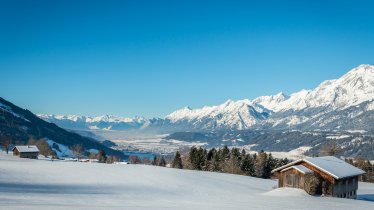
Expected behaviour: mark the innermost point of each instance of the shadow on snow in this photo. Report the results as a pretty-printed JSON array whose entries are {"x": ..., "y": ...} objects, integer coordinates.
[{"x": 50, "y": 188}]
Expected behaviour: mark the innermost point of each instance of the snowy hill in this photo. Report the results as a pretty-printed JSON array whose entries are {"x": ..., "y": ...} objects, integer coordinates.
[
  {"x": 19, "y": 125},
  {"x": 74, "y": 185}
]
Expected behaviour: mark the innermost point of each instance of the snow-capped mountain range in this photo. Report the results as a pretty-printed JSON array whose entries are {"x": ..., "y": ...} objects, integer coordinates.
[
  {"x": 351, "y": 89},
  {"x": 344, "y": 103},
  {"x": 105, "y": 122}
]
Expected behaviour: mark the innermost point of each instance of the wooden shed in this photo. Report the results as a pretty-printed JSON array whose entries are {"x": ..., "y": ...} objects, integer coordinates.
[
  {"x": 29, "y": 151},
  {"x": 339, "y": 179}
]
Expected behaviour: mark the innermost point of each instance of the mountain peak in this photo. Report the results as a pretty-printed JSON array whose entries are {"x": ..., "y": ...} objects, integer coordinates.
[
  {"x": 361, "y": 70},
  {"x": 187, "y": 108},
  {"x": 228, "y": 102},
  {"x": 365, "y": 66}
]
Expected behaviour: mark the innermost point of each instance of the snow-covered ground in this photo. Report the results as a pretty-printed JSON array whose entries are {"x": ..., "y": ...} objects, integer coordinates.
[
  {"x": 295, "y": 154},
  {"x": 43, "y": 184}
]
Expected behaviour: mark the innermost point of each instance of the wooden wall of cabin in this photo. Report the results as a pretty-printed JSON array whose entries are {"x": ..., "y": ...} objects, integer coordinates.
[
  {"x": 327, "y": 180},
  {"x": 15, "y": 152},
  {"x": 346, "y": 188},
  {"x": 298, "y": 178},
  {"x": 32, "y": 155}
]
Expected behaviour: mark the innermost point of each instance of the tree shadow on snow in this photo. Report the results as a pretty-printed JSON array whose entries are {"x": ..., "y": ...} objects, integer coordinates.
[
  {"x": 50, "y": 189},
  {"x": 366, "y": 197}
]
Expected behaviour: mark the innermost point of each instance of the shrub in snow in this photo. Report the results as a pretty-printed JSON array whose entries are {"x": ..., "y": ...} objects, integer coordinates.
[{"x": 312, "y": 184}]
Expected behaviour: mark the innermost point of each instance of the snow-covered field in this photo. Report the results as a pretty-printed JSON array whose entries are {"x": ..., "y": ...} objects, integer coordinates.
[
  {"x": 292, "y": 155},
  {"x": 153, "y": 143},
  {"x": 43, "y": 184}
]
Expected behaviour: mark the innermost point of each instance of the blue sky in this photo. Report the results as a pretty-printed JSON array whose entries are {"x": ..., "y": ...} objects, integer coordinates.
[{"x": 150, "y": 58}]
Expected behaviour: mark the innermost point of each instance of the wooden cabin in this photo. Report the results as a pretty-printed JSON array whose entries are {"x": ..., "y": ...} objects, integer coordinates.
[
  {"x": 339, "y": 179},
  {"x": 29, "y": 151}
]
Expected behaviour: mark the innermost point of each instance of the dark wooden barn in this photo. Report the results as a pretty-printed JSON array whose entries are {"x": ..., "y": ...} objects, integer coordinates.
[
  {"x": 339, "y": 179},
  {"x": 29, "y": 151}
]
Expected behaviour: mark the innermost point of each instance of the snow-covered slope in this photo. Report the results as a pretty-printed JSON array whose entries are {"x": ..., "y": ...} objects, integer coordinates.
[{"x": 74, "y": 185}]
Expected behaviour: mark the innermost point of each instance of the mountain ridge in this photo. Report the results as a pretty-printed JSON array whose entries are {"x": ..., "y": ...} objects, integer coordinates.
[{"x": 293, "y": 111}]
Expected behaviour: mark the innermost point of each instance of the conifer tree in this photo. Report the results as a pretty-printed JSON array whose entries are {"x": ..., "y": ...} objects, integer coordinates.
[
  {"x": 243, "y": 154},
  {"x": 211, "y": 159},
  {"x": 203, "y": 159},
  {"x": 155, "y": 160},
  {"x": 197, "y": 158},
  {"x": 225, "y": 153},
  {"x": 235, "y": 160},
  {"x": 260, "y": 166},
  {"x": 101, "y": 156},
  {"x": 162, "y": 162},
  {"x": 193, "y": 158},
  {"x": 269, "y": 166},
  {"x": 248, "y": 166},
  {"x": 177, "y": 162}
]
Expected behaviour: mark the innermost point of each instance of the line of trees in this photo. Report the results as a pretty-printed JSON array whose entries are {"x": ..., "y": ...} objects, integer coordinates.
[
  {"x": 228, "y": 161},
  {"x": 364, "y": 165},
  {"x": 157, "y": 160}
]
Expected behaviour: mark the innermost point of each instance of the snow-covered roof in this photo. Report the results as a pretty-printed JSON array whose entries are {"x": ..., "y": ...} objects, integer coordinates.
[
  {"x": 28, "y": 148},
  {"x": 333, "y": 166},
  {"x": 300, "y": 168}
]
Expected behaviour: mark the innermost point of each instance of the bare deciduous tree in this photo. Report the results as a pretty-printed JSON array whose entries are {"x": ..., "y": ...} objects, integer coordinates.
[
  {"x": 6, "y": 142},
  {"x": 146, "y": 161},
  {"x": 78, "y": 150},
  {"x": 330, "y": 149},
  {"x": 135, "y": 160}
]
